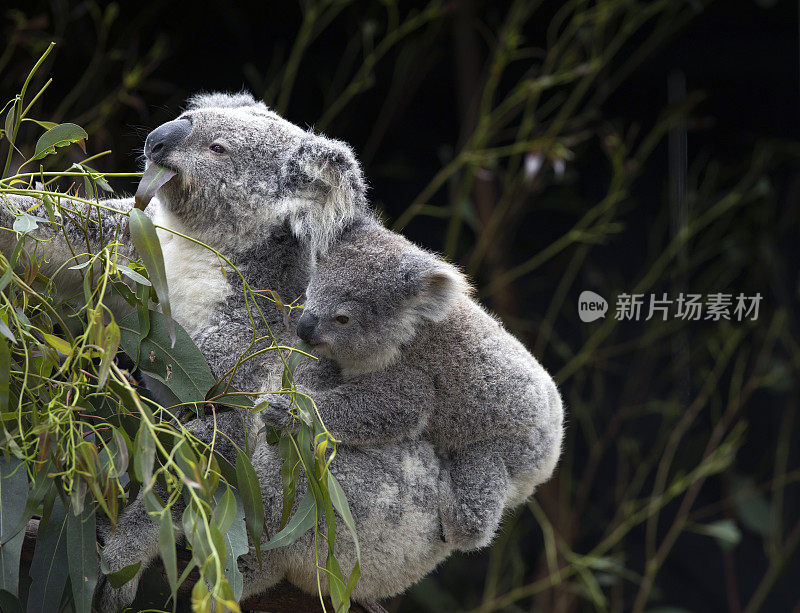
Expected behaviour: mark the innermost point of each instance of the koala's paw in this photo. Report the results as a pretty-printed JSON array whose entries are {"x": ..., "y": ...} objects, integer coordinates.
[
  {"x": 116, "y": 556},
  {"x": 276, "y": 414},
  {"x": 114, "y": 600}
]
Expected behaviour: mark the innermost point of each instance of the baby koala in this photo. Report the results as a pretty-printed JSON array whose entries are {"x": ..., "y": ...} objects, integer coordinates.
[{"x": 413, "y": 355}]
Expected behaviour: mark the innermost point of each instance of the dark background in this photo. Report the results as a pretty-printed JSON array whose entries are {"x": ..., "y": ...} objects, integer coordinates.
[{"x": 121, "y": 71}]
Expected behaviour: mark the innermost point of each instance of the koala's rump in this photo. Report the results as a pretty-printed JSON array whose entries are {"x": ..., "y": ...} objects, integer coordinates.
[{"x": 393, "y": 496}]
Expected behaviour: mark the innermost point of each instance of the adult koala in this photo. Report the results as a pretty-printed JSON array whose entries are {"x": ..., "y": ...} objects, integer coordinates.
[
  {"x": 255, "y": 187},
  {"x": 267, "y": 195}
]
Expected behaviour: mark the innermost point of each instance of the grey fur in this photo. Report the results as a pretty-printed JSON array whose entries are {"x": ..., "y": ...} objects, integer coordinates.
[
  {"x": 419, "y": 357},
  {"x": 279, "y": 196}
]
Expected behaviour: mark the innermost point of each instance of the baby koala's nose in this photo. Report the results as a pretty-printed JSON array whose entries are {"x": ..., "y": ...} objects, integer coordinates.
[
  {"x": 164, "y": 138},
  {"x": 306, "y": 326}
]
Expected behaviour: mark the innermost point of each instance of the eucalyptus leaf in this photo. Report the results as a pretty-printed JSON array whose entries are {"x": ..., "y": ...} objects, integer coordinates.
[
  {"x": 752, "y": 507},
  {"x": 49, "y": 568},
  {"x": 9, "y": 273},
  {"x": 45, "y": 124},
  {"x": 13, "y": 493},
  {"x": 10, "y": 123},
  {"x": 336, "y": 587},
  {"x": 5, "y": 380},
  {"x": 145, "y": 455},
  {"x": 145, "y": 239},
  {"x": 9, "y": 603},
  {"x": 304, "y": 518},
  {"x": 343, "y": 508},
  {"x": 182, "y": 368},
  {"x": 166, "y": 546},
  {"x": 235, "y": 536},
  {"x": 725, "y": 531},
  {"x": 59, "y": 344},
  {"x": 111, "y": 337},
  {"x": 123, "y": 575},
  {"x": 153, "y": 178},
  {"x": 82, "y": 558},
  {"x": 251, "y": 499},
  {"x": 132, "y": 274},
  {"x": 58, "y": 136},
  {"x": 27, "y": 223}
]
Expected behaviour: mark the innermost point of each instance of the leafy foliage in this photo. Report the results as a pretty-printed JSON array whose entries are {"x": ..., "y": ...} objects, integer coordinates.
[{"x": 80, "y": 439}]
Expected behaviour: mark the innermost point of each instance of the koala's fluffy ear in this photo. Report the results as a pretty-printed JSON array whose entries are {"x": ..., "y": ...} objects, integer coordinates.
[
  {"x": 323, "y": 187},
  {"x": 222, "y": 100},
  {"x": 432, "y": 285}
]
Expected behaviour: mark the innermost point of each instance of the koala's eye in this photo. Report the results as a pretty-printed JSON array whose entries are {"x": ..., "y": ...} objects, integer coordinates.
[
  {"x": 342, "y": 319},
  {"x": 217, "y": 148}
]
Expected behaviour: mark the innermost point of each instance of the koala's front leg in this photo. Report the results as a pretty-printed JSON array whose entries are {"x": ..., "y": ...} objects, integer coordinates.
[
  {"x": 365, "y": 411},
  {"x": 473, "y": 493}
]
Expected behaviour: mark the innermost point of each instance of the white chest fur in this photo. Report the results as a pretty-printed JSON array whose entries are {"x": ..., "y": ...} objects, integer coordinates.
[{"x": 196, "y": 282}]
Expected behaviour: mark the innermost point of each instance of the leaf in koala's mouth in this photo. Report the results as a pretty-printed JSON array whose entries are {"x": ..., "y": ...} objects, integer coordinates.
[{"x": 153, "y": 178}]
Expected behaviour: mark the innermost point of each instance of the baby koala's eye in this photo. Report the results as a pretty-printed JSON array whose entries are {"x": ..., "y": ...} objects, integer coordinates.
[
  {"x": 217, "y": 148},
  {"x": 342, "y": 319}
]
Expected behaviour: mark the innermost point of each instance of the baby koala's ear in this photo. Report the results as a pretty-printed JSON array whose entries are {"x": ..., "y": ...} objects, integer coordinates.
[
  {"x": 325, "y": 188},
  {"x": 433, "y": 285}
]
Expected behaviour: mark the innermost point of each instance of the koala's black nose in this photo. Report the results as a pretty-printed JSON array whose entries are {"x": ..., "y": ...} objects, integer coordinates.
[
  {"x": 165, "y": 137},
  {"x": 306, "y": 326}
]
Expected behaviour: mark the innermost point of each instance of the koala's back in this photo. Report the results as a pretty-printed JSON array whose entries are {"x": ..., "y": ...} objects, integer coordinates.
[{"x": 488, "y": 386}]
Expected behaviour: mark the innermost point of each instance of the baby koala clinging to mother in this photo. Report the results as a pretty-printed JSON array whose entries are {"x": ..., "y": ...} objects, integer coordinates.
[{"x": 405, "y": 352}]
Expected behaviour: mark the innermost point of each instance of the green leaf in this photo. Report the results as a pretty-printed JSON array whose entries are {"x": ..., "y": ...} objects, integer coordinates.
[
  {"x": 81, "y": 266},
  {"x": 82, "y": 558},
  {"x": 145, "y": 239},
  {"x": 751, "y": 506},
  {"x": 355, "y": 575},
  {"x": 111, "y": 336},
  {"x": 43, "y": 485},
  {"x": 343, "y": 508},
  {"x": 6, "y": 331},
  {"x": 5, "y": 378},
  {"x": 166, "y": 546},
  {"x": 145, "y": 455},
  {"x": 27, "y": 223},
  {"x": 304, "y": 518},
  {"x": 153, "y": 178},
  {"x": 224, "y": 509},
  {"x": 289, "y": 469},
  {"x": 59, "y": 344},
  {"x": 201, "y": 599},
  {"x": 132, "y": 274},
  {"x": 45, "y": 124},
  {"x": 143, "y": 299},
  {"x": 9, "y": 603},
  {"x": 725, "y": 531},
  {"x": 10, "y": 123},
  {"x": 96, "y": 177},
  {"x": 49, "y": 568},
  {"x": 190, "y": 377},
  {"x": 13, "y": 493},
  {"x": 123, "y": 575},
  {"x": 235, "y": 539},
  {"x": 341, "y": 603},
  {"x": 58, "y": 136},
  {"x": 251, "y": 499},
  {"x": 9, "y": 273}
]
